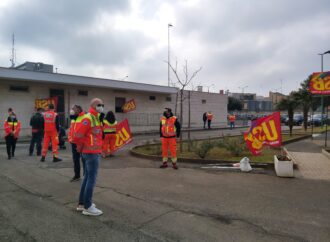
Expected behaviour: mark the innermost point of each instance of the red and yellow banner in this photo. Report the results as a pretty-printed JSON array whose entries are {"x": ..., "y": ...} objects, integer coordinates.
[
  {"x": 123, "y": 136},
  {"x": 129, "y": 106},
  {"x": 320, "y": 83},
  {"x": 264, "y": 131},
  {"x": 43, "y": 103}
]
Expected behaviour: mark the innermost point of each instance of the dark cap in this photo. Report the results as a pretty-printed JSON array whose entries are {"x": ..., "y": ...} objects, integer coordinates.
[{"x": 168, "y": 109}]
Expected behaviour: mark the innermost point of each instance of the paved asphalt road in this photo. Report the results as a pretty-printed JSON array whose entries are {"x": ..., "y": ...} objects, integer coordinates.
[{"x": 144, "y": 203}]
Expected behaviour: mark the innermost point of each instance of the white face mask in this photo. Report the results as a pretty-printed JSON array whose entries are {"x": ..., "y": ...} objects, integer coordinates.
[
  {"x": 72, "y": 112},
  {"x": 99, "y": 109}
]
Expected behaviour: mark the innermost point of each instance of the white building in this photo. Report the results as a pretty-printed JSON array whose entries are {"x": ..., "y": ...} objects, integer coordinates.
[{"x": 20, "y": 88}]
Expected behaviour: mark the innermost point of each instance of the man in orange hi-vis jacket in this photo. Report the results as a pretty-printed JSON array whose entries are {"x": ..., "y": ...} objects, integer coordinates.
[
  {"x": 12, "y": 128},
  {"x": 209, "y": 116},
  {"x": 88, "y": 138},
  {"x": 76, "y": 116},
  {"x": 51, "y": 127},
  {"x": 169, "y": 130}
]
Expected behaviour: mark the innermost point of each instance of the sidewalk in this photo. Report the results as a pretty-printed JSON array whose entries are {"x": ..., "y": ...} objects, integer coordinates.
[{"x": 311, "y": 162}]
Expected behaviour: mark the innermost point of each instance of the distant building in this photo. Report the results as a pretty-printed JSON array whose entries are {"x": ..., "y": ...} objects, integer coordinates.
[
  {"x": 252, "y": 103},
  {"x": 276, "y": 97},
  {"x": 35, "y": 66}
]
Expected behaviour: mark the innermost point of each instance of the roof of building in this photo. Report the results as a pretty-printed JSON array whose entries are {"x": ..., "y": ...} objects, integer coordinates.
[{"x": 33, "y": 76}]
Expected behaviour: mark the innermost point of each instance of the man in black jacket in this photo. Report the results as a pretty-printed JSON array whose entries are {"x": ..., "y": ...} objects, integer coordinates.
[{"x": 37, "y": 124}]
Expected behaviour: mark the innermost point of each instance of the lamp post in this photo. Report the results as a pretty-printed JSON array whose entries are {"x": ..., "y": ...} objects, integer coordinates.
[
  {"x": 322, "y": 97},
  {"x": 168, "y": 54},
  {"x": 208, "y": 87},
  {"x": 242, "y": 88}
]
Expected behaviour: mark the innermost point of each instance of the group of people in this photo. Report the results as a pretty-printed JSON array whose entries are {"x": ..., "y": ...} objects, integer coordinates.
[
  {"x": 91, "y": 136},
  {"x": 208, "y": 117}
]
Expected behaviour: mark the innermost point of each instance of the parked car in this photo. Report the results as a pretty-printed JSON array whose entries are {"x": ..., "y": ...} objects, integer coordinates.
[
  {"x": 283, "y": 118},
  {"x": 317, "y": 119},
  {"x": 298, "y": 119}
]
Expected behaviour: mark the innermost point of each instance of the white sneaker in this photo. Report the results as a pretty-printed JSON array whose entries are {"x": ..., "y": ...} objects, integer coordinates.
[
  {"x": 92, "y": 211},
  {"x": 81, "y": 208}
]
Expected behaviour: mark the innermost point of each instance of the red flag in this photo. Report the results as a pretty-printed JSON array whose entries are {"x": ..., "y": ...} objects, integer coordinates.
[
  {"x": 123, "y": 136},
  {"x": 264, "y": 131}
]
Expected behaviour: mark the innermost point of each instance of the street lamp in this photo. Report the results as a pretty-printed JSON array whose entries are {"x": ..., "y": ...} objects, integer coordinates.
[
  {"x": 168, "y": 56},
  {"x": 322, "y": 98},
  {"x": 208, "y": 87},
  {"x": 243, "y": 88}
]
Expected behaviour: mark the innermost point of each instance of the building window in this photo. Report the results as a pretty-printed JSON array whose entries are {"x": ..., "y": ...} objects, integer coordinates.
[
  {"x": 152, "y": 98},
  {"x": 203, "y": 101},
  {"x": 119, "y": 103},
  {"x": 19, "y": 88},
  {"x": 168, "y": 99},
  {"x": 82, "y": 93}
]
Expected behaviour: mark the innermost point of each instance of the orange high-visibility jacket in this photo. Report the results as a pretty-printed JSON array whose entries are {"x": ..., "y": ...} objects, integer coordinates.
[
  {"x": 14, "y": 126},
  {"x": 88, "y": 135},
  {"x": 74, "y": 124},
  {"x": 232, "y": 118},
  {"x": 109, "y": 128},
  {"x": 168, "y": 128},
  {"x": 209, "y": 116},
  {"x": 50, "y": 121}
]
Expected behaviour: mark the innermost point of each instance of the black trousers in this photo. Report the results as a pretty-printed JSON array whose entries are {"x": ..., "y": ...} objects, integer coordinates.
[
  {"x": 204, "y": 123},
  {"x": 36, "y": 139},
  {"x": 76, "y": 156},
  {"x": 11, "y": 145}
]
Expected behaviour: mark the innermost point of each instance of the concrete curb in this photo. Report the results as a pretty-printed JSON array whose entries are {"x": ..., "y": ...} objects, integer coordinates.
[{"x": 203, "y": 161}]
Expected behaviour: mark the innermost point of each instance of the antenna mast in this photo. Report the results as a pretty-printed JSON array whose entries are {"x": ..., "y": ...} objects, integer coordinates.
[{"x": 13, "y": 54}]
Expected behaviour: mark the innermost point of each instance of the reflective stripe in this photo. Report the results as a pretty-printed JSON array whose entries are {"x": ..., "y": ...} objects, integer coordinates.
[{"x": 92, "y": 140}]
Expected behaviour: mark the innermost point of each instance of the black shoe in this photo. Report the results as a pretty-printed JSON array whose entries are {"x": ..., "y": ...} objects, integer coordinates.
[
  {"x": 42, "y": 159},
  {"x": 56, "y": 159},
  {"x": 164, "y": 165},
  {"x": 174, "y": 166},
  {"x": 9, "y": 157},
  {"x": 75, "y": 179}
]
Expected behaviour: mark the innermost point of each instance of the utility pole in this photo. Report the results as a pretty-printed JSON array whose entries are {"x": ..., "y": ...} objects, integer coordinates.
[
  {"x": 168, "y": 54},
  {"x": 13, "y": 54}
]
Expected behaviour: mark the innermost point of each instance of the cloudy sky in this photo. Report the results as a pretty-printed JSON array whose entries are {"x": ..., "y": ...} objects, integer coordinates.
[{"x": 250, "y": 44}]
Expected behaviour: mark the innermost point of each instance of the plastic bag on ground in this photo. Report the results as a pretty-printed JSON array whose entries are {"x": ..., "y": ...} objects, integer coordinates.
[{"x": 245, "y": 165}]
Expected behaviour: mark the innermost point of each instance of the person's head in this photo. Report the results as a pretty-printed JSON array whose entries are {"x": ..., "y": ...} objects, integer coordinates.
[
  {"x": 167, "y": 112},
  {"x": 110, "y": 117},
  {"x": 12, "y": 115},
  {"x": 40, "y": 110},
  {"x": 97, "y": 104},
  {"x": 10, "y": 111},
  {"x": 51, "y": 106},
  {"x": 76, "y": 109}
]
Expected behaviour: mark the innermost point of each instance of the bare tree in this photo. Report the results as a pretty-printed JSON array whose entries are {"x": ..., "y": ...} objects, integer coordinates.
[{"x": 183, "y": 82}]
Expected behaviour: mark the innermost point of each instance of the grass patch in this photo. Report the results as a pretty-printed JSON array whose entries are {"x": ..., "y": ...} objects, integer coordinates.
[{"x": 217, "y": 151}]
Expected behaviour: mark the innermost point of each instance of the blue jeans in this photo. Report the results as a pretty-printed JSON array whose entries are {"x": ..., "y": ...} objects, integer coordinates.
[{"x": 92, "y": 162}]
